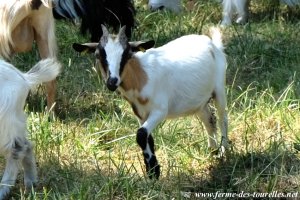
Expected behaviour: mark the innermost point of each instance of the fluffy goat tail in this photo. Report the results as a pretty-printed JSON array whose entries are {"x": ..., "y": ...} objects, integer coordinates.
[
  {"x": 216, "y": 37},
  {"x": 44, "y": 71},
  {"x": 220, "y": 58}
]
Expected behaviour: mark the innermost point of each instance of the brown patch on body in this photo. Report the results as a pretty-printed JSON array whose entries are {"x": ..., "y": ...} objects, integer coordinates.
[
  {"x": 134, "y": 77},
  {"x": 23, "y": 36}
]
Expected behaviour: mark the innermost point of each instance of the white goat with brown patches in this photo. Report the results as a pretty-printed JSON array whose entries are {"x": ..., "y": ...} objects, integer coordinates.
[
  {"x": 174, "y": 80},
  {"x": 14, "y": 89}
]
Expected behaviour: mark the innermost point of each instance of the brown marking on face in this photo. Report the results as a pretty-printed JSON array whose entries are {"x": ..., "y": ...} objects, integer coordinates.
[
  {"x": 113, "y": 37},
  {"x": 133, "y": 76}
]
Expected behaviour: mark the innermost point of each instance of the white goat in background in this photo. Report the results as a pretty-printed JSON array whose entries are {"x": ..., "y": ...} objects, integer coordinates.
[
  {"x": 177, "y": 79},
  {"x": 14, "y": 89},
  {"x": 230, "y": 8},
  {"x": 173, "y": 5},
  {"x": 241, "y": 7}
]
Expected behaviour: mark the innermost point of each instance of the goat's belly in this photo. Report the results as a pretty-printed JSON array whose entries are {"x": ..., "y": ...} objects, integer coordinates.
[{"x": 188, "y": 107}]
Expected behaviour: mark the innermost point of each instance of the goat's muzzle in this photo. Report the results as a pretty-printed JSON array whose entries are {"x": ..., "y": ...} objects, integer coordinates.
[
  {"x": 111, "y": 83},
  {"x": 154, "y": 8}
]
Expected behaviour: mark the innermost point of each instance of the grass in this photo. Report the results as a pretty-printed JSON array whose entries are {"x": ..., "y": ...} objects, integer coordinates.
[{"x": 89, "y": 151}]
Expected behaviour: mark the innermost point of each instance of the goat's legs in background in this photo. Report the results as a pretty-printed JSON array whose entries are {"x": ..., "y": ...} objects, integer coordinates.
[
  {"x": 231, "y": 6},
  {"x": 227, "y": 12},
  {"x": 145, "y": 140},
  {"x": 242, "y": 7},
  {"x": 46, "y": 42}
]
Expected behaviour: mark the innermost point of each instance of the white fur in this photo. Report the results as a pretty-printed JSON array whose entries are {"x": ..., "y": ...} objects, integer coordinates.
[
  {"x": 230, "y": 7},
  {"x": 182, "y": 77},
  {"x": 14, "y": 89},
  {"x": 176, "y": 79}
]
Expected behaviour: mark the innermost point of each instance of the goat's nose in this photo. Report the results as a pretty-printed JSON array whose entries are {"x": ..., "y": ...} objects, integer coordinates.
[
  {"x": 112, "y": 83},
  {"x": 154, "y": 8},
  {"x": 161, "y": 7}
]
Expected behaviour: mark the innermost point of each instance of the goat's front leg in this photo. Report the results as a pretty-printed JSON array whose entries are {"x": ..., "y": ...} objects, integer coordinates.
[{"x": 145, "y": 140}]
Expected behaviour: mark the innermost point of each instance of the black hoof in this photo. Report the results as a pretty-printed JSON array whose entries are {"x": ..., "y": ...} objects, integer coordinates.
[{"x": 153, "y": 168}]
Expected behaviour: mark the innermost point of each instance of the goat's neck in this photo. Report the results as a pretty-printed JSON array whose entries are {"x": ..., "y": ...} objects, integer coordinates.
[{"x": 133, "y": 76}]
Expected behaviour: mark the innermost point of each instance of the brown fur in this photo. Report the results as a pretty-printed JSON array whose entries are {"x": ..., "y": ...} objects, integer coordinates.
[
  {"x": 25, "y": 21},
  {"x": 133, "y": 76},
  {"x": 143, "y": 101}
]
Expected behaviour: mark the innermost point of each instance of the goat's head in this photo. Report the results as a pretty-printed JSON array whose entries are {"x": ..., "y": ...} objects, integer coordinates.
[
  {"x": 112, "y": 53},
  {"x": 173, "y": 5}
]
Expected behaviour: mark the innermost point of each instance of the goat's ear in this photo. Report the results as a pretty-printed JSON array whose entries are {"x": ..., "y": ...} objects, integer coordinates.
[
  {"x": 104, "y": 37},
  {"x": 86, "y": 47},
  {"x": 141, "y": 46},
  {"x": 122, "y": 36}
]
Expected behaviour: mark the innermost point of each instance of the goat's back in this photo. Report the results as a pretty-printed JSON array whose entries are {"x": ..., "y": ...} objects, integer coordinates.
[{"x": 184, "y": 71}]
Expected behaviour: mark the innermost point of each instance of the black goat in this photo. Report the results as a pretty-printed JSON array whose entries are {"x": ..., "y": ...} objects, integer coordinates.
[{"x": 112, "y": 13}]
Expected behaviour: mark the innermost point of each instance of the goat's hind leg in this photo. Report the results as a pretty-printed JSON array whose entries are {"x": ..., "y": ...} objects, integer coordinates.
[
  {"x": 220, "y": 101},
  {"x": 29, "y": 165},
  {"x": 13, "y": 158},
  {"x": 209, "y": 120},
  {"x": 21, "y": 152},
  {"x": 9, "y": 176}
]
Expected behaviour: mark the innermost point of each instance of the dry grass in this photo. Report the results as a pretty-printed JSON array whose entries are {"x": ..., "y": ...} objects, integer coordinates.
[{"x": 89, "y": 150}]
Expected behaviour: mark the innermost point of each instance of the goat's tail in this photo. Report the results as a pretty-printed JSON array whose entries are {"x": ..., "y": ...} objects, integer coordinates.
[
  {"x": 44, "y": 71},
  {"x": 216, "y": 37}
]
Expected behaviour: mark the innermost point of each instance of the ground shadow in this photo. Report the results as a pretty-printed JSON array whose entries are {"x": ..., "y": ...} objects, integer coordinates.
[
  {"x": 274, "y": 11},
  {"x": 250, "y": 172},
  {"x": 268, "y": 59}
]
